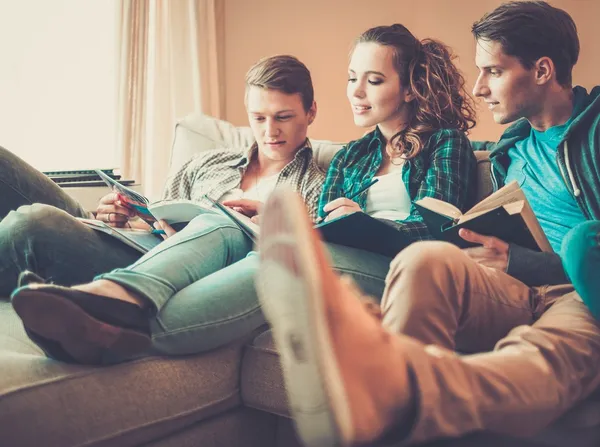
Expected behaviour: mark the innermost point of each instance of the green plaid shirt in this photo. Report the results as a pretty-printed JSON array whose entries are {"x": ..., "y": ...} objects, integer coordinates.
[{"x": 445, "y": 170}]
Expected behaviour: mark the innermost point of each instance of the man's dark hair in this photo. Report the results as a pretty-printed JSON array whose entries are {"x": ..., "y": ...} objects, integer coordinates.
[{"x": 529, "y": 30}]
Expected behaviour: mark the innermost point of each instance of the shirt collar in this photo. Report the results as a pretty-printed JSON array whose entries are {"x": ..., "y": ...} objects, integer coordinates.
[
  {"x": 376, "y": 140},
  {"x": 244, "y": 158}
]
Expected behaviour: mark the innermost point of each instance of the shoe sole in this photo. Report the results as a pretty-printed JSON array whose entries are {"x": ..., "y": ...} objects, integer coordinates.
[
  {"x": 291, "y": 296},
  {"x": 82, "y": 336}
]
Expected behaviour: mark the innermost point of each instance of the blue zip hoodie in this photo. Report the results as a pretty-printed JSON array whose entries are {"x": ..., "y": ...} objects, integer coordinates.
[{"x": 578, "y": 158}]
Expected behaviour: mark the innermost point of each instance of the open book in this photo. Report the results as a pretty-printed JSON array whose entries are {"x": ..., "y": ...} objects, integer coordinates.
[
  {"x": 505, "y": 214},
  {"x": 141, "y": 240},
  {"x": 177, "y": 213}
]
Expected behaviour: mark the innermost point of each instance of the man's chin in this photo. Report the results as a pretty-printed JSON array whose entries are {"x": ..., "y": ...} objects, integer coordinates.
[
  {"x": 504, "y": 119},
  {"x": 281, "y": 154}
]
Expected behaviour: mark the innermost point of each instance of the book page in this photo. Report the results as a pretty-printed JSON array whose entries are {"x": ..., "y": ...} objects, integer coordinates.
[
  {"x": 245, "y": 224},
  {"x": 511, "y": 208},
  {"x": 440, "y": 207},
  {"x": 535, "y": 228},
  {"x": 507, "y": 194},
  {"x": 177, "y": 211}
]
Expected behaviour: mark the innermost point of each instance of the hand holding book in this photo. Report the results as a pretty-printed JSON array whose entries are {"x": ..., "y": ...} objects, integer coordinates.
[
  {"x": 163, "y": 229},
  {"x": 247, "y": 207},
  {"x": 128, "y": 198},
  {"x": 111, "y": 210},
  {"x": 505, "y": 215},
  {"x": 490, "y": 251}
]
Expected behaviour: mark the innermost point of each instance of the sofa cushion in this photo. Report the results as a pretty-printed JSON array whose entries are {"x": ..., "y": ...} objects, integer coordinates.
[
  {"x": 262, "y": 381},
  {"x": 262, "y": 388},
  {"x": 483, "y": 181},
  {"x": 122, "y": 405}
]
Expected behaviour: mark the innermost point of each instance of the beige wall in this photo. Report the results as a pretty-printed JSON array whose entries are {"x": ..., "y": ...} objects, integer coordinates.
[{"x": 320, "y": 33}]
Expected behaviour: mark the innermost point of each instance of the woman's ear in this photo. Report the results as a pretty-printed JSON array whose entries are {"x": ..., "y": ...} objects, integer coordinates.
[{"x": 408, "y": 96}]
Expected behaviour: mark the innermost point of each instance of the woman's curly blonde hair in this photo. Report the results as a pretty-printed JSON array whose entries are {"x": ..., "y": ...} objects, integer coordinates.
[{"x": 427, "y": 69}]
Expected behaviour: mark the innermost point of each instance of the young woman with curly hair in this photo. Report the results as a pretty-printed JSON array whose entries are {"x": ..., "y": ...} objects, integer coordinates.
[{"x": 414, "y": 95}]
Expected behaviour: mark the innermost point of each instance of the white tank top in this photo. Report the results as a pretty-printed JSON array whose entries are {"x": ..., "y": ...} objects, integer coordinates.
[{"x": 388, "y": 198}]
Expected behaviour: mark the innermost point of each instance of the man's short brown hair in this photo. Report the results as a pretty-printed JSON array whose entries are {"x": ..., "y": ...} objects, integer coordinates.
[
  {"x": 284, "y": 73},
  {"x": 529, "y": 30}
]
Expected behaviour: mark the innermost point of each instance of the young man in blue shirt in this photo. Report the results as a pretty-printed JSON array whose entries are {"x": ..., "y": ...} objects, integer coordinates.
[{"x": 533, "y": 347}]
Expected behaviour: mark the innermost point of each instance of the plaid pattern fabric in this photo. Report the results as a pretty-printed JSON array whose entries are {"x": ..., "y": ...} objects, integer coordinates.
[
  {"x": 443, "y": 170},
  {"x": 218, "y": 171}
]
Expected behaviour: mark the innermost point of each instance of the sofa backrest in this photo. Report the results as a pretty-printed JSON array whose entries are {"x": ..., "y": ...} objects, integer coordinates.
[{"x": 197, "y": 133}]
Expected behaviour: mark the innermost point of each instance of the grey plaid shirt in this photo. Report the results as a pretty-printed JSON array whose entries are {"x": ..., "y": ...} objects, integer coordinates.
[{"x": 216, "y": 172}]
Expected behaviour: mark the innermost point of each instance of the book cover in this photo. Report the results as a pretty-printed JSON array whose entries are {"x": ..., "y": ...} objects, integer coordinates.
[
  {"x": 359, "y": 230},
  {"x": 141, "y": 240},
  {"x": 496, "y": 222},
  {"x": 505, "y": 214}
]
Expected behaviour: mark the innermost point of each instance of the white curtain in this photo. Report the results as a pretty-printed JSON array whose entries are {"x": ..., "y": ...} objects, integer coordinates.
[{"x": 170, "y": 65}]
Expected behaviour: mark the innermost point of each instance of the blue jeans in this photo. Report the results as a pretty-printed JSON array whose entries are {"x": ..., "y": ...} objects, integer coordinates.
[
  {"x": 46, "y": 238},
  {"x": 201, "y": 284},
  {"x": 52, "y": 243},
  {"x": 581, "y": 259}
]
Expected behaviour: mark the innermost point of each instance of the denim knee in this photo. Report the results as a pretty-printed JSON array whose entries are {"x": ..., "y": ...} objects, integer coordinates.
[{"x": 30, "y": 222}]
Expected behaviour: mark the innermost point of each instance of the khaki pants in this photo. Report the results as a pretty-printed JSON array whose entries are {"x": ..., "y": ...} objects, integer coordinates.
[{"x": 534, "y": 351}]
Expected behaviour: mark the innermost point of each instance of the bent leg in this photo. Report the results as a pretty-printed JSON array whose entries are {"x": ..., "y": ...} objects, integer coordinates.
[
  {"x": 216, "y": 310},
  {"x": 56, "y": 246},
  {"x": 223, "y": 306},
  {"x": 206, "y": 245},
  {"x": 537, "y": 372},
  {"x": 533, "y": 376},
  {"x": 581, "y": 259},
  {"x": 22, "y": 184},
  {"x": 438, "y": 295}
]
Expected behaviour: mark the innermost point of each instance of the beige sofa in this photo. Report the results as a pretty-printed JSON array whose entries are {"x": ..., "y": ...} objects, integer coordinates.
[{"x": 232, "y": 396}]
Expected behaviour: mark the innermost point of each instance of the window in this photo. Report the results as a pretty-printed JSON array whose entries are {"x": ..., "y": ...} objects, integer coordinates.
[{"x": 58, "y": 82}]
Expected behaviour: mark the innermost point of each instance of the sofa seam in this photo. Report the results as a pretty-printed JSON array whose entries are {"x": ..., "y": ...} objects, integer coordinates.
[
  {"x": 79, "y": 374},
  {"x": 169, "y": 418}
]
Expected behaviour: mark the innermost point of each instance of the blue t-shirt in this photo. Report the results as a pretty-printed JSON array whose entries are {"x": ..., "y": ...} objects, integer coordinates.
[{"x": 534, "y": 166}]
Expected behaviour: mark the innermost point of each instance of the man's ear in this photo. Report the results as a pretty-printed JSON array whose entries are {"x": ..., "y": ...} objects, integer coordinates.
[
  {"x": 312, "y": 112},
  {"x": 544, "y": 70}
]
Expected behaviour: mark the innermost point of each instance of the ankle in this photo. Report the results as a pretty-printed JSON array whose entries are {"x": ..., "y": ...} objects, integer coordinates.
[{"x": 113, "y": 290}]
